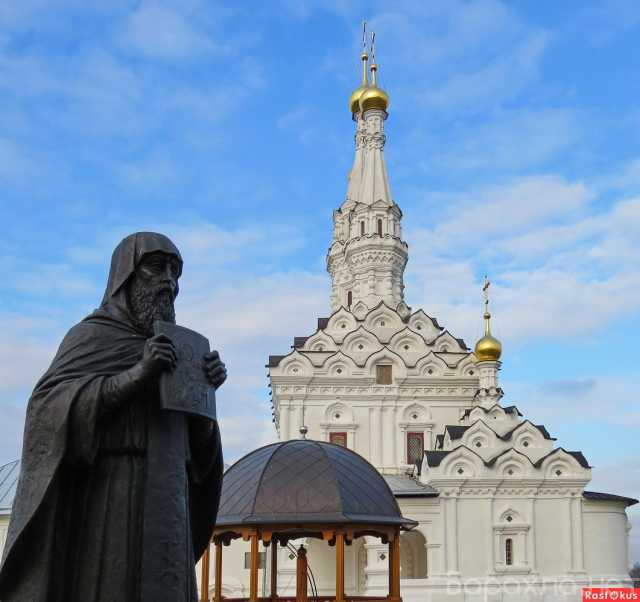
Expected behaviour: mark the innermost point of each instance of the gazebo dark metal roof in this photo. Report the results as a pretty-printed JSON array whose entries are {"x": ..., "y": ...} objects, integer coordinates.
[{"x": 305, "y": 481}]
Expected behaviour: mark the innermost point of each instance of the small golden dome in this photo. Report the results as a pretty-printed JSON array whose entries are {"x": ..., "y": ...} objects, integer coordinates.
[
  {"x": 488, "y": 349},
  {"x": 374, "y": 97}
]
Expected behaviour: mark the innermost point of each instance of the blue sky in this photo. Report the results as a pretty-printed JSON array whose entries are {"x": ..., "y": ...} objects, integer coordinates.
[{"x": 512, "y": 148}]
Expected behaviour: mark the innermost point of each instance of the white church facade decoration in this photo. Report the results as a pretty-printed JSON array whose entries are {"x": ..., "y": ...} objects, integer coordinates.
[{"x": 498, "y": 502}]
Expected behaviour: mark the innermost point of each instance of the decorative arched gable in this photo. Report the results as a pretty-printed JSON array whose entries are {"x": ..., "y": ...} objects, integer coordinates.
[
  {"x": 512, "y": 464},
  {"x": 296, "y": 364},
  {"x": 480, "y": 437},
  {"x": 430, "y": 366},
  {"x": 445, "y": 342},
  {"x": 320, "y": 341},
  {"x": 424, "y": 325},
  {"x": 360, "y": 310},
  {"x": 408, "y": 344},
  {"x": 360, "y": 344},
  {"x": 339, "y": 365},
  {"x": 462, "y": 463},
  {"x": 561, "y": 465},
  {"x": 383, "y": 321},
  {"x": 386, "y": 356},
  {"x": 341, "y": 323}
]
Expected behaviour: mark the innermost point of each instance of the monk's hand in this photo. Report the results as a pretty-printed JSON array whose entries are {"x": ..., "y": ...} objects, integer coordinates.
[
  {"x": 214, "y": 368},
  {"x": 159, "y": 355}
]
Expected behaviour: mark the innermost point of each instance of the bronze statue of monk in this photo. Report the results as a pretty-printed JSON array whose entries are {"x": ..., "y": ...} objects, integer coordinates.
[{"x": 117, "y": 497}]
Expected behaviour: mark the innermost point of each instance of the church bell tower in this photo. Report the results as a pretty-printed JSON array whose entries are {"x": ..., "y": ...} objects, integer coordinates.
[{"x": 367, "y": 256}]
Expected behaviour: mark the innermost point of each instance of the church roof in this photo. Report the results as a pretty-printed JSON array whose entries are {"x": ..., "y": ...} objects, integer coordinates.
[
  {"x": 8, "y": 481},
  {"x": 306, "y": 482},
  {"x": 609, "y": 497},
  {"x": 456, "y": 431},
  {"x": 405, "y": 486},
  {"x": 434, "y": 458},
  {"x": 507, "y": 410}
]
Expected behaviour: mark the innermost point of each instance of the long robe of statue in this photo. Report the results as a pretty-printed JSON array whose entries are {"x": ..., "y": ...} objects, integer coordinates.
[{"x": 116, "y": 498}]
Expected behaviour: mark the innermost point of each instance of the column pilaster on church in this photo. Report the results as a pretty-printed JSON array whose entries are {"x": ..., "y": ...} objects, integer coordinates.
[
  {"x": 375, "y": 437},
  {"x": 284, "y": 421},
  {"x": 389, "y": 436},
  {"x": 533, "y": 560},
  {"x": 452, "y": 536},
  {"x": 577, "y": 550},
  {"x": 491, "y": 561}
]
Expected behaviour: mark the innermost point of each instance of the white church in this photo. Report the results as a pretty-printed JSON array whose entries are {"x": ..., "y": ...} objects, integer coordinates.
[{"x": 502, "y": 508}]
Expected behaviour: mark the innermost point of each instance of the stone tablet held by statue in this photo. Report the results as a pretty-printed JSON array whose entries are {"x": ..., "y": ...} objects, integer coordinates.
[{"x": 186, "y": 388}]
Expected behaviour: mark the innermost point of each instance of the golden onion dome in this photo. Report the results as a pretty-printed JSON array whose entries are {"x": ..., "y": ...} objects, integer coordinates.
[
  {"x": 354, "y": 99},
  {"x": 488, "y": 349},
  {"x": 374, "y": 97}
]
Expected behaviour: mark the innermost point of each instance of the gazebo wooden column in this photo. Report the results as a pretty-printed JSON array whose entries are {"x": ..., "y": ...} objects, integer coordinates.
[
  {"x": 394, "y": 568},
  {"x": 204, "y": 576},
  {"x": 301, "y": 575},
  {"x": 253, "y": 583},
  {"x": 339, "y": 566},
  {"x": 274, "y": 570},
  {"x": 217, "y": 595}
]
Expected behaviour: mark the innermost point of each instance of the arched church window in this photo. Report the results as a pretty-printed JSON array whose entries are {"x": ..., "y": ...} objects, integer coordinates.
[
  {"x": 415, "y": 447},
  {"x": 362, "y": 228},
  {"x": 379, "y": 227},
  {"x": 349, "y": 298},
  {"x": 508, "y": 551}
]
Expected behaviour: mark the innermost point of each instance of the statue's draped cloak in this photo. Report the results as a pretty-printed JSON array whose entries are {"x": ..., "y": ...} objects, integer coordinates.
[{"x": 112, "y": 508}]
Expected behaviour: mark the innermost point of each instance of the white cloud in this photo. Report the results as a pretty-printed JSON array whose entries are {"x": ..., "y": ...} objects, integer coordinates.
[
  {"x": 498, "y": 143},
  {"x": 551, "y": 248},
  {"x": 158, "y": 30}
]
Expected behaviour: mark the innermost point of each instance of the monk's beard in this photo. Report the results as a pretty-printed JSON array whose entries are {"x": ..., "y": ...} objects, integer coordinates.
[{"x": 149, "y": 304}]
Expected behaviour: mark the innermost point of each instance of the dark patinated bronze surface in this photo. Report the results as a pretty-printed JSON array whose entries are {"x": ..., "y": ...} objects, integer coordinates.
[{"x": 117, "y": 498}]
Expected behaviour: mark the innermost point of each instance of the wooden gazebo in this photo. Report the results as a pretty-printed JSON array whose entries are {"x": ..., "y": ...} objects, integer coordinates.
[{"x": 300, "y": 489}]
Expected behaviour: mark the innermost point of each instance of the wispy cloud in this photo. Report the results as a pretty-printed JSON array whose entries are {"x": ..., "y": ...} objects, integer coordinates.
[{"x": 158, "y": 30}]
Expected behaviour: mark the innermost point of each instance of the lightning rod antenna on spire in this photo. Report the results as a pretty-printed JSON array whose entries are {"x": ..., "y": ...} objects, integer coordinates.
[
  {"x": 373, "y": 46},
  {"x": 364, "y": 57},
  {"x": 364, "y": 36},
  {"x": 374, "y": 66}
]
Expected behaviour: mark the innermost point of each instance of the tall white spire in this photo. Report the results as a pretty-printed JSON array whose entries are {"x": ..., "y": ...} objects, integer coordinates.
[{"x": 367, "y": 256}]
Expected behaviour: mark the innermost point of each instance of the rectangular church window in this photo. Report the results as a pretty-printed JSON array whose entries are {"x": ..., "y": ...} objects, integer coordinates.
[
  {"x": 338, "y": 439},
  {"x": 361, "y": 228},
  {"x": 415, "y": 447},
  {"x": 384, "y": 375},
  {"x": 508, "y": 551}
]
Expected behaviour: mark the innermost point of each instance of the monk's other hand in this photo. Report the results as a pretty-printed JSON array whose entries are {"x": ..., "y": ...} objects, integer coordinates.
[
  {"x": 159, "y": 355},
  {"x": 214, "y": 368}
]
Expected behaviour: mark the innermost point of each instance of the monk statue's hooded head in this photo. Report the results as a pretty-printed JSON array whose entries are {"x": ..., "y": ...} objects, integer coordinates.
[{"x": 143, "y": 280}]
